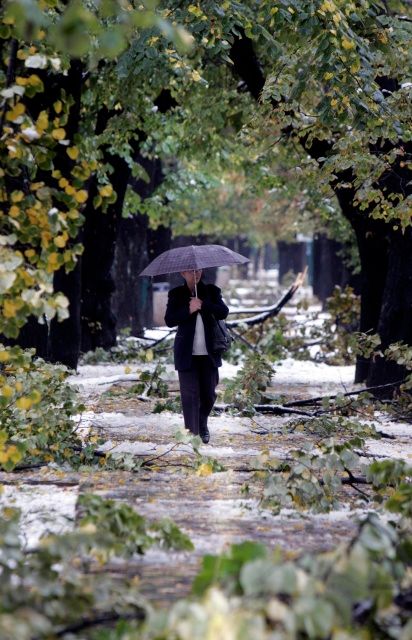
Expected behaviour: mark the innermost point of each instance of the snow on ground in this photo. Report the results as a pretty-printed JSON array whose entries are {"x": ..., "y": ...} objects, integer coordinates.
[
  {"x": 400, "y": 450},
  {"x": 44, "y": 509},
  {"x": 306, "y": 372},
  {"x": 97, "y": 378},
  {"x": 94, "y": 377}
]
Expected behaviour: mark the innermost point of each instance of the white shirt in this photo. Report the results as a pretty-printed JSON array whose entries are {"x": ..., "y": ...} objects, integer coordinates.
[{"x": 199, "y": 340}]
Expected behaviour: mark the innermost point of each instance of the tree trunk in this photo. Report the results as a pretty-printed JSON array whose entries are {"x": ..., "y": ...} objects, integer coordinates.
[
  {"x": 395, "y": 319},
  {"x": 65, "y": 336},
  {"x": 32, "y": 335},
  {"x": 132, "y": 299},
  {"x": 328, "y": 267},
  {"x": 99, "y": 238},
  {"x": 136, "y": 245},
  {"x": 98, "y": 322},
  {"x": 371, "y": 237}
]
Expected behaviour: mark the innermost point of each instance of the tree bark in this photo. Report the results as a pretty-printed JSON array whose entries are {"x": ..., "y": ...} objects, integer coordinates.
[
  {"x": 328, "y": 268},
  {"x": 136, "y": 245},
  {"x": 64, "y": 340},
  {"x": 132, "y": 299},
  {"x": 98, "y": 322},
  {"x": 395, "y": 319}
]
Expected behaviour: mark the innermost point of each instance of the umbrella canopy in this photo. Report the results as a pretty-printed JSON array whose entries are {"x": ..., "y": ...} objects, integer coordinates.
[{"x": 191, "y": 258}]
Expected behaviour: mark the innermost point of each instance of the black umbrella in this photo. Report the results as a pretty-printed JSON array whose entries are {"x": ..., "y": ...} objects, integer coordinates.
[{"x": 192, "y": 258}]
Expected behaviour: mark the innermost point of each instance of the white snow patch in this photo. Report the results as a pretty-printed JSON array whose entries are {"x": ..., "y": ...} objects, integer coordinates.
[
  {"x": 44, "y": 509},
  {"x": 393, "y": 428},
  {"x": 306, "y": 372},
  {"x": 400, "y": 450},
  {"x": 97, "y": 378}
]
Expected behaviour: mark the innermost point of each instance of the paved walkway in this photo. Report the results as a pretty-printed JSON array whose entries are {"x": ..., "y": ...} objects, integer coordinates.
[{"x": 214, "y": 509}]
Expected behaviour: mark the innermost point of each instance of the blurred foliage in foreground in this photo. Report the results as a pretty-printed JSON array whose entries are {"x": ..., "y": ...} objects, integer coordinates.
[{"x": 360, "y": 590}]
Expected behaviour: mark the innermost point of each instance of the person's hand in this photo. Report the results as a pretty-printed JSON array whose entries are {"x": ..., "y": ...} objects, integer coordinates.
[{"x": 195, "y": 304}]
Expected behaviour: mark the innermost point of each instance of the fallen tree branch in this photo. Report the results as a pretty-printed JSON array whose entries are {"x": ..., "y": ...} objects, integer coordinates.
[
  {"x": 239, "y": 336},
  {"x": 34, "y": 482},
  {"x": 275, "y": 409},
  {"x": 317, "y": 399},
  {"x": 159, "y": 340},
  {"x": 273, "y": 310},
  {"x": 104, "y": 618}
]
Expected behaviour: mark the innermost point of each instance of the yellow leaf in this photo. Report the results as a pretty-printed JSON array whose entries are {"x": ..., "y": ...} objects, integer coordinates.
[
  {"x": 10, "y": 308},
  {"x": 45, "y": 238},
  {"x": 4, "y": 356},
  {"x": 14, "y": 211},
  {"x": 19, "y": 386},
  {"x": 81, "y": 196},
  {"x": 106, "y": 191},
  {"x": 60, "y": 241},
  {"x": 195, "y": 10},
  {"x": 327, "y": 6},
  {"x": 58, "y": 106},
  {"x": 14, "y": 454},
  {"x": 63, "y": 183},
  {"x": 17, "y": 196},
  {"x": 53, "y": 260},
  {"x": 59, "y": 134},
  {"x": 348, "y": 44},
  {"x": 24, "y": 403},
  {"x": 35, "y": 186},
  {"x": 72, "y": 152},
  {"x": 205, "y": 469},
  {"x": 33, "y": 80},
  {"x": 16, "y": 112},
  {"x": 328, "y": 75},
  {"x": 7, "y": 391},
  {"x": 42, "y": 121}
]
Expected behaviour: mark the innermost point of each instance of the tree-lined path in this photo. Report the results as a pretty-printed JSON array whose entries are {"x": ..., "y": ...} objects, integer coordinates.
[{"x": 215, "y": 495}]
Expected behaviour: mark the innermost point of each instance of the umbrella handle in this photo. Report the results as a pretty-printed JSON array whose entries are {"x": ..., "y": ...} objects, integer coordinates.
[{"x": 194, "y": 278}]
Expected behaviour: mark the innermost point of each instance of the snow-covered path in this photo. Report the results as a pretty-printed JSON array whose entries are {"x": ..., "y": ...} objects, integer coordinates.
[{"x": 216, "y": 508}]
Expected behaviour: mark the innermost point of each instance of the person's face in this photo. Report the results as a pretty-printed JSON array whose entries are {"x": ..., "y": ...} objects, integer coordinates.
[{"x": 191, "y": 277}]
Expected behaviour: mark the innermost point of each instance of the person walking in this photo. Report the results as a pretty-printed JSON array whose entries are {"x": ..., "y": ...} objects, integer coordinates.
[{"x": 193, "y": 308}]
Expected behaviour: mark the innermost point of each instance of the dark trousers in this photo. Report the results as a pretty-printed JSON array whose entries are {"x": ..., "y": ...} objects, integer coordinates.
[{"x": 198, "y": 392}]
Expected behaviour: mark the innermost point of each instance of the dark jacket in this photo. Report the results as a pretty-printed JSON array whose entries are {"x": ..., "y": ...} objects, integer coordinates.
[{"x": 177, "y": 313}]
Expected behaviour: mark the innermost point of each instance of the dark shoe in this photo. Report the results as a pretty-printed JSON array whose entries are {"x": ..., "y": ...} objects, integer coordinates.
[{"x": 205, "y": 435}]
